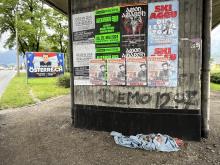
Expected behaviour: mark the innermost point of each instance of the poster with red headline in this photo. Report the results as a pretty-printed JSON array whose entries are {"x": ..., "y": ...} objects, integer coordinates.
[
  {"x": 162, "y": 66},
  {"x": 163, "y": 22},
  {"x": 116, "y": 71},
  {"x": 97, "y": 72},
  {"x": 136, "y": 71}
]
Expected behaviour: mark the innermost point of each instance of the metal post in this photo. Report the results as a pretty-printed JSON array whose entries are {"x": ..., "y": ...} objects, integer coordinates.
[
  {"x": 26, "y": 68},
  {"x": 71, "y": 58},
  {"x": 17, "y": 45},
  {"x": 205, "y": 89}
]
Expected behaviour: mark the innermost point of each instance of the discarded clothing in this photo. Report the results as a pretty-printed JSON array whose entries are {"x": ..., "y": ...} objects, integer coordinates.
[{"x": 150, "y": 142}]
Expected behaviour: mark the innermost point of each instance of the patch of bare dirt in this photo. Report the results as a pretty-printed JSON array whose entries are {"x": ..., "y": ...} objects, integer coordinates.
[{"x": 43, "y": 135}]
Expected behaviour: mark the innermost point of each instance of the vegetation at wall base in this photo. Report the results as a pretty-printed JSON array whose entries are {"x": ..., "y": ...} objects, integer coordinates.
[
  {"x": 215, "y": 87},
  {"x": 19, "y": 93},
  {"x": 215, "y": 78},
  {"x": 64, "y": 81}
]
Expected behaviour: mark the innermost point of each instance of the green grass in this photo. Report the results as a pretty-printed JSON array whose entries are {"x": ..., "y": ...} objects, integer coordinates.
[
  {"x": 215, "y": 87},
  {"x": 44, "y": 88},
  {"x": 215, "y": 70},
  {"x": 18, "y": 94}
]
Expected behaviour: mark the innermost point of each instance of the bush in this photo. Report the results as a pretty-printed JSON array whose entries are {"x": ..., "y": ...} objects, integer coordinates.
[
  {"x": 215, "y": 78},
  {"x": 64, "y": 81}
]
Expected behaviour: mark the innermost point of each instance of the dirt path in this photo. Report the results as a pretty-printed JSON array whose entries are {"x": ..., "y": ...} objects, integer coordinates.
[{"x": 43, "y": 135}]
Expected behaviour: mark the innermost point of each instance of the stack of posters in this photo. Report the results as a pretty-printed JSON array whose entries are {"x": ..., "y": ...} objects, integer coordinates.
[
  {"x": 83, "y": 46},
  {"x": 163, "y": 29}
]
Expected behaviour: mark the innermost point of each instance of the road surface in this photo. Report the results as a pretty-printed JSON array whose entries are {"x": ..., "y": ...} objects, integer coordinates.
[{"x": 5, "y": 78}]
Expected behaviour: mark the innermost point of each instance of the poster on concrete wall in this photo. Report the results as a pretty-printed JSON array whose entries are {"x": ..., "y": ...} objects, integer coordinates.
[
  {"x": 44, "y": 64},
  {"x": 162, "y": 66},
  {"x": 82, "y": 54},
  {"x": 163, "y": 30},
  {"x": 116, "y": 71},
  {"x": 163, "y": 22},
  {"x": 83, "y": 46},
  {"x": 107, "y": 33},
  {"x": 83, "y": 26},
  {"x": 133, "y": 31},
  {"x": 136, "y": 71},
  {"x": 97, "y": 72}
]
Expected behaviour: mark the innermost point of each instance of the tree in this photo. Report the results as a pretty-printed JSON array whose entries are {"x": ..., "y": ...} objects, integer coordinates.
[
  {"x": 7, "y": 20},
  {"x": 38, "y": 26},
  {"x": 58, "y": 33},
  {"x": 58, "y": 27}
]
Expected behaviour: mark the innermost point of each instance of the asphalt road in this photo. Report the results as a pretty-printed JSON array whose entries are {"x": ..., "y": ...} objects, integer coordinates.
[{"x": 5, "y": 78}]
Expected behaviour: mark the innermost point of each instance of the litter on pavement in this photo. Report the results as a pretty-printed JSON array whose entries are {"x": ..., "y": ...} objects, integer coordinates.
[{"x": 156, "y": 142}]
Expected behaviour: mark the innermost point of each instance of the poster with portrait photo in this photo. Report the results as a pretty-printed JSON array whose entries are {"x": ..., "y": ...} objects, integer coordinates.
[
  {"x": 136, "y": 71},
  {"x": 116, "y": 71},
  {"x": 44, "y": 64},
  {"x": 163, "y": 23},
  {"x": 133, "y": 30},
  {"x": 97, "y": 72},
  {"x": 163, "y": 66}
]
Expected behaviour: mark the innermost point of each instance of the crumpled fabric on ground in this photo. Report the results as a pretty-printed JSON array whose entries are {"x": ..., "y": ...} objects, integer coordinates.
[{"x": 157, "y": 142}]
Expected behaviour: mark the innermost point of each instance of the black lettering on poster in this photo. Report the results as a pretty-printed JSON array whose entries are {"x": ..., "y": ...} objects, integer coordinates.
[{"x": 107, "y": 33}]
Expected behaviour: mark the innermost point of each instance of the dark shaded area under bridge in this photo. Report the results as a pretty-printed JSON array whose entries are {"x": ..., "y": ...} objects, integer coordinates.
[{"x": 62, "y": 6}]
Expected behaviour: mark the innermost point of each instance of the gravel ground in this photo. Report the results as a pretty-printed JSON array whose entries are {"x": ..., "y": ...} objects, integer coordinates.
[{"x": 43, "y": 135}]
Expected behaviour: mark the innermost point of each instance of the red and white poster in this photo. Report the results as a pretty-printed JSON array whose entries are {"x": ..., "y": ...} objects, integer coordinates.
[
  {"x": 97, "y": 72},
  {"x": 162, "y": 66},
  {"x": 116, "y": 71},
  {"x": 163, "y": 23},
  {"x": 136, "y": 71}
]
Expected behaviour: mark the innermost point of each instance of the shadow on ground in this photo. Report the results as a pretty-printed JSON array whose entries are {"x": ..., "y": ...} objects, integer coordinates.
[{"x": 43, "y": 135}]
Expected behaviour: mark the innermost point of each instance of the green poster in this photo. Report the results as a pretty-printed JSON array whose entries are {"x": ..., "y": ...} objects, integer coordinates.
[{"x": 107, "y": 33}]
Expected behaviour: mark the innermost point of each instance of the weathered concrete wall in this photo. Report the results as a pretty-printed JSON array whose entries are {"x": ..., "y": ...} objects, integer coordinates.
[{"x": 188, "y": 93}]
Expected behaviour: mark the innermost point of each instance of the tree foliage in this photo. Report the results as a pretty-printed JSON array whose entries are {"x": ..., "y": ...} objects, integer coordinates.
[{"x": 39, "y": 27}]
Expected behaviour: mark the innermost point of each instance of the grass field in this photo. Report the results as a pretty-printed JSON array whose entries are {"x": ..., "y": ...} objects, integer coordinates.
[
  {"x": 18, "y": 92},
  {"x": 215, "y": 87},
  {"x": 215, "y": 70}
]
